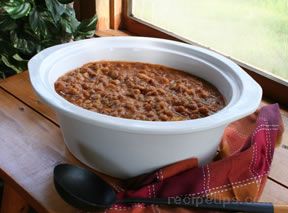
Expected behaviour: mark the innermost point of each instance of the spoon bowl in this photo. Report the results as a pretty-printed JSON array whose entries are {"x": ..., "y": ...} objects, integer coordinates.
[{"x": 82, "y": 188}]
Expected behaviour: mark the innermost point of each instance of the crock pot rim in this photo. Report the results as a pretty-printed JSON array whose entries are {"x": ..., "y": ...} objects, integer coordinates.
[{"x": 223, "y": 117}]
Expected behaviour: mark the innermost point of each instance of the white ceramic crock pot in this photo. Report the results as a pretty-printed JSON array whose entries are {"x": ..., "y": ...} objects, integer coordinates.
[{"x": 125, "y": 148}]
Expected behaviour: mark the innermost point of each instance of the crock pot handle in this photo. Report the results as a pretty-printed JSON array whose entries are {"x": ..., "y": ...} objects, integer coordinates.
[
  {"x": 35, "y": 75},
  {"x": 250, "y": 100}
]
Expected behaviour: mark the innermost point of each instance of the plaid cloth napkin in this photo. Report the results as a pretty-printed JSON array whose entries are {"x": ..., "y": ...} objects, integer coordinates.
[{"x": 238, "y": 173}]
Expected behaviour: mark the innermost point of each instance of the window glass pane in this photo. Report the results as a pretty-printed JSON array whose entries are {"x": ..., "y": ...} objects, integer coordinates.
[{"x": 252, "y": 31}]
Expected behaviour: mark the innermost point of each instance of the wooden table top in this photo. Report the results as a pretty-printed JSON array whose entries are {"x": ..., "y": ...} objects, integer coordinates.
[{"x": 31, "y": 145}]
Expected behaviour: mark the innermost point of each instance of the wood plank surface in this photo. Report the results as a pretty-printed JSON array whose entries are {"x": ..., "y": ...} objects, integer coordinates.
[
  {"x": 107, "y": 33},
  {"x": 279, "y": 167},
  {"x": 20, "y": 87},
  {"x": 279, "y": 171},
  {"x": 31, "y": 145},
  {"x": 274, "y": 193}
]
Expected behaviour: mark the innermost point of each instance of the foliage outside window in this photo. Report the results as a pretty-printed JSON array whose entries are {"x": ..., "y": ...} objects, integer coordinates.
[{"x": 252, "y": 31}]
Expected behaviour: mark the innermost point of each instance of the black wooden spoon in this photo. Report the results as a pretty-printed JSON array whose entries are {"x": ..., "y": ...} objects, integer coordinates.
[{"x": 85, "y": 190}]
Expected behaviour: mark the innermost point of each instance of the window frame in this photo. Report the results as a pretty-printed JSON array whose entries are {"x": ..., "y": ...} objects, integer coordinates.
[{"x": 121, "y": 19}]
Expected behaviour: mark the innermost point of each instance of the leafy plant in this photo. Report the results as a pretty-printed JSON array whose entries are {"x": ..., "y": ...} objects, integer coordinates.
[{"x": 28, "y": 26}]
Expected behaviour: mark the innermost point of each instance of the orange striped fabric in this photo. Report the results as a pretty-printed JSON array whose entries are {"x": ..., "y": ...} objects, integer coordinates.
[{"x": 238, "y": 173}]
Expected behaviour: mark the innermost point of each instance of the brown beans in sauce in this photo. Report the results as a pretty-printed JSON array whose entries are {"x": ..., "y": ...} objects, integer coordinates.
[{"x": 139, "y": 91}]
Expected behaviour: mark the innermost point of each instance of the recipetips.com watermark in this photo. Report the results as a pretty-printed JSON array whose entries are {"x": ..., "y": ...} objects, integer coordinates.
[{"x": 203, "y": 201}]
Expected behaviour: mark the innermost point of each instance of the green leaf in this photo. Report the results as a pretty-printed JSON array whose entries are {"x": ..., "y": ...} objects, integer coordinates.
[
  {"x": 17, "y": 9},
  {"x": 6, "y": 48},
  {"x": 88, "y": 25},
  {"x": 7, "y": 23},
  {"x": 29, "y": 32},
  {"x": 11, "y": 3},
  {"x": 86, "y": 28},
  {"x": 28, "y": 26},
  {"x": 14, "y": 64},
  {"x": 65, "y": 1},
  {"x": 70, "y": 11},
  {"x": 22, "y": 44},
  {"x": 69, "y": 21},
  {"x": 55, "y": 8},
  {"x": 6, "y": 71},
  {"x": 37, "y": 21},
  {"x": 2, "y": 74},
  {"x": 3, "y": 69},
  {"x": 66, "y": 25}
]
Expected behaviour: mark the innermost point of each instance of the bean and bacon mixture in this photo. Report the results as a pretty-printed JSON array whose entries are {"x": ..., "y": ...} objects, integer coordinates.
[{"x": 139, "y": 91}]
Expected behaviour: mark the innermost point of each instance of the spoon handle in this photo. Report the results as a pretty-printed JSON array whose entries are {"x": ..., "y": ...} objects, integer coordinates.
[{"x": 206, "y": 203}]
